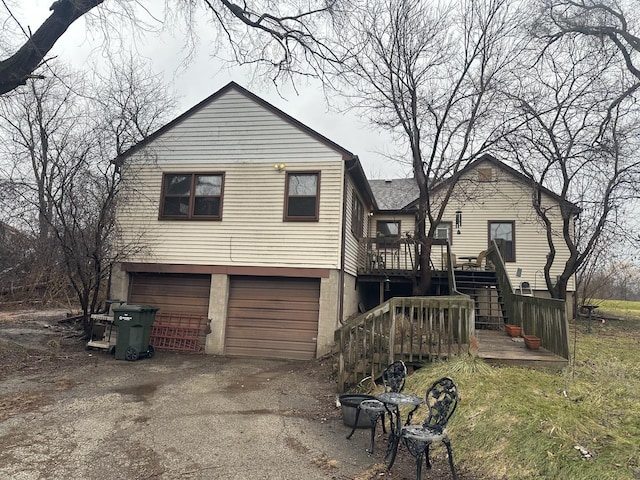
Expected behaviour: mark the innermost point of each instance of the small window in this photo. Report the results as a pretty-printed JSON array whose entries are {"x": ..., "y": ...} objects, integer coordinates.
[
  {"x": 505, "y": 234},
  {"x": 443, "y": 231},
  {"x": 387, "y": 234},
  {"x": 192, "y": 196},
  {"x": 485, "y": 174},
  {"x": 301, "y": 197},
  {"x": 357, "y": 217}
]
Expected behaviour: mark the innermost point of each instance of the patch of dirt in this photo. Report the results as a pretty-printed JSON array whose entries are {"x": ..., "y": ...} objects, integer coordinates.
[
  {"x": 32, "y": 341},
  {"x": 22, "y": 402}
]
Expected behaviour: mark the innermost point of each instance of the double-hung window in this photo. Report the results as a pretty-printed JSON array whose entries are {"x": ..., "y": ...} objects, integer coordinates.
[
  {"x": 192, "y": 196},
  {"x": 302, "y": 197}
]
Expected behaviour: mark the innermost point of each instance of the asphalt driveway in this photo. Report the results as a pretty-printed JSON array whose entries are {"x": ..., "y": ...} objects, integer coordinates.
[{"x": 85, "y": 415}]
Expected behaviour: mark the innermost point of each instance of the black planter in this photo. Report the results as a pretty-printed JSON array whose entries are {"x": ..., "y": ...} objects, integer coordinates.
[{"x": 350, "y": 402}]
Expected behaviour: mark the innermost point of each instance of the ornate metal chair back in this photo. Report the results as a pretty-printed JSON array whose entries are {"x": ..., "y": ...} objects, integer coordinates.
[
  {"x": 394, "y": 376},
  {"x": 442, "y": 400}
]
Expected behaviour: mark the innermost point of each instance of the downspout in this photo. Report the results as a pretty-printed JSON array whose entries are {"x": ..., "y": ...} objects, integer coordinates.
[{"x": 343, "y": 241}]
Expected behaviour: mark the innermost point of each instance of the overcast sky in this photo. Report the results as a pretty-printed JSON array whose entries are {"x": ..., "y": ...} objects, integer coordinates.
[{"x": 204, "y": 75}]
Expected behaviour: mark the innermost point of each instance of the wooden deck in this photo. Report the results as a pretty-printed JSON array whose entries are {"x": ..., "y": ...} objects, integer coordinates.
[{"x": 499, "y": 349}]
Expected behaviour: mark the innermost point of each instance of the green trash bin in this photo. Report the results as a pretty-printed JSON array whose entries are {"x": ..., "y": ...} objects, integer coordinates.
[{"x": 134, "y": 331}]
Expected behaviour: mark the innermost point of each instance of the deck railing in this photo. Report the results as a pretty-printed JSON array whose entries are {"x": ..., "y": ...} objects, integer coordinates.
[
  {"x": 379, "y": 256},
  {"x": 413, "y": 329},
  {"x": 545, "y": 318}
]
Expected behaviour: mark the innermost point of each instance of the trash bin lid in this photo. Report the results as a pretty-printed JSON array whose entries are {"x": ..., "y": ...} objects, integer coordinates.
[{"x": 135, "y": 308}]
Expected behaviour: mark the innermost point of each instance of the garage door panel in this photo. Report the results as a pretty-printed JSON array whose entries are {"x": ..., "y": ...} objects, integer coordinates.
[
  {"x": 294, "y": 332},
  {"x": 272, "y": 317},
  {"x": 271, "y": 335},
  {"x": 175, "y": 291},
  {"x": 257, "y": 315},
  {"x": 254, "y": 321},
  {"x": 273, "y": 350},
  {"x": 275, "y": 283},
  {"x": 279, "y": 303}
]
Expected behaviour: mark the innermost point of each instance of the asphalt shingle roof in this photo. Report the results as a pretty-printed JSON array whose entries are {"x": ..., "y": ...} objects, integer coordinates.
[{"x": 394, "y": 194}]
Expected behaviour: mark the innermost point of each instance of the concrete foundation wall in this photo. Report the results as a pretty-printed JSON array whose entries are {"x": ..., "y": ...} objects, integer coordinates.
[
  {"x": 351, "y": 297},
  {"x": 119, "y": 284},
  {"x": 218, "y": 301},
  {"x": 329, "y": 309}
]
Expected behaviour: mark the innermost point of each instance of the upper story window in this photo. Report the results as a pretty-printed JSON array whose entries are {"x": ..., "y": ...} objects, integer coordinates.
[
  {"x": 357, "y": 217},
  {"x": 387, "y": 233},
  {"x": 192, "y": 196},
  {"x": 506, "y": 232},
  {"x": 485, "y": 174},
  {"x": 302, "y": 197}
]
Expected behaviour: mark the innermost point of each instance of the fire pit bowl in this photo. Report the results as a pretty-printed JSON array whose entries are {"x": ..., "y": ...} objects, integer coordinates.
[{"x": 349, "y": 403}]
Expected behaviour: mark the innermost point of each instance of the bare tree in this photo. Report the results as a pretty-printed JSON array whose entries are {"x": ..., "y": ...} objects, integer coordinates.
[
  {"x": 39, "y": 142},
  {"x": 282, "y": 35},
  {"x": 614, "y": 21},
  {"x": 430, "y": 73},
  {"x": 578, "y": 137},
  {"x": 75, "y": 200}
]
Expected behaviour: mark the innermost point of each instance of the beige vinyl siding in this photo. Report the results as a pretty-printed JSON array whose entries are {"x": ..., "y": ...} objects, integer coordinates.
[
  {"x": 504, "y": 199},
  {"x": 351, "y": 242},
  {"x": 242, "y": 139},
  {"x": 233, "y": 128},
  {"x": 252, "y": 230}
]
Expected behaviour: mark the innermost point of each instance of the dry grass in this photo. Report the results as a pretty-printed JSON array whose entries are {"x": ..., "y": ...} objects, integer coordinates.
[{"x": 582, "y": 423}]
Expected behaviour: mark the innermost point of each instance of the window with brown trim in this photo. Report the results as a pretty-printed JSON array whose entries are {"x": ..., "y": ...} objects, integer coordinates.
[
  {"x": 504, "y": 232},
  {"x": 192, "y": 196},
  {"x": 357, "y": 217},
  {"x": 302, "y": 196}
]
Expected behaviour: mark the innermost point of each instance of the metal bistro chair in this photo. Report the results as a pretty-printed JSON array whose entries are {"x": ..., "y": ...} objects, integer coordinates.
[
  {"x": 393, "y": 379},
  {"x": 442, "y": 399}
]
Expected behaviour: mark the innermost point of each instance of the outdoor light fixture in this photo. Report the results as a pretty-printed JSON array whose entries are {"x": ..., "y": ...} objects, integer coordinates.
[
  {"x": 387, "y": 284},
  {"x": 458, "y": 221},
  {"x": 279, "y": 166}
]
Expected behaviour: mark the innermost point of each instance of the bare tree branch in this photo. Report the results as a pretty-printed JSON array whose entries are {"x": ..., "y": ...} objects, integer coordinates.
[
  {"x": 287, "y": 37},
  {"x": 16, "y": 69}
]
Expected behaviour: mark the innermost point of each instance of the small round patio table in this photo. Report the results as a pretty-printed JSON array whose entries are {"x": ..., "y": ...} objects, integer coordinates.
[{"x": 392, "y": 402}]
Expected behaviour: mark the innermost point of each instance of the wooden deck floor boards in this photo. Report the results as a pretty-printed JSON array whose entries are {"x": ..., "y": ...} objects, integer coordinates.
[{"x": 497, "y": 347}]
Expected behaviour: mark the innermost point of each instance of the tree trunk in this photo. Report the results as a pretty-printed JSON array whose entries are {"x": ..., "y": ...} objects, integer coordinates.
[{"x": 15, "y": 70}]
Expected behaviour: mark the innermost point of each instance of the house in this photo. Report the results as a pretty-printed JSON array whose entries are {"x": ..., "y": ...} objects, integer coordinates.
[
  {"x": 266, "y": 235},
  {"x": 490, "y": 201},
  {"x": 240, "y": 215}
]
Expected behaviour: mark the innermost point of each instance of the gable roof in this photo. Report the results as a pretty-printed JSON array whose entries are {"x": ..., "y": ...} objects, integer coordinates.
[
  {"x": 395, "y": 194},
  {"x": 352, "y": 161},
  {"x": 510, "y": 170},
  {"x": 346, "y": 154}
]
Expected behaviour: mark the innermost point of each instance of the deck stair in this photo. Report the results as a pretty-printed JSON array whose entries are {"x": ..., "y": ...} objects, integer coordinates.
[{"x": 482, "y": 286}]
